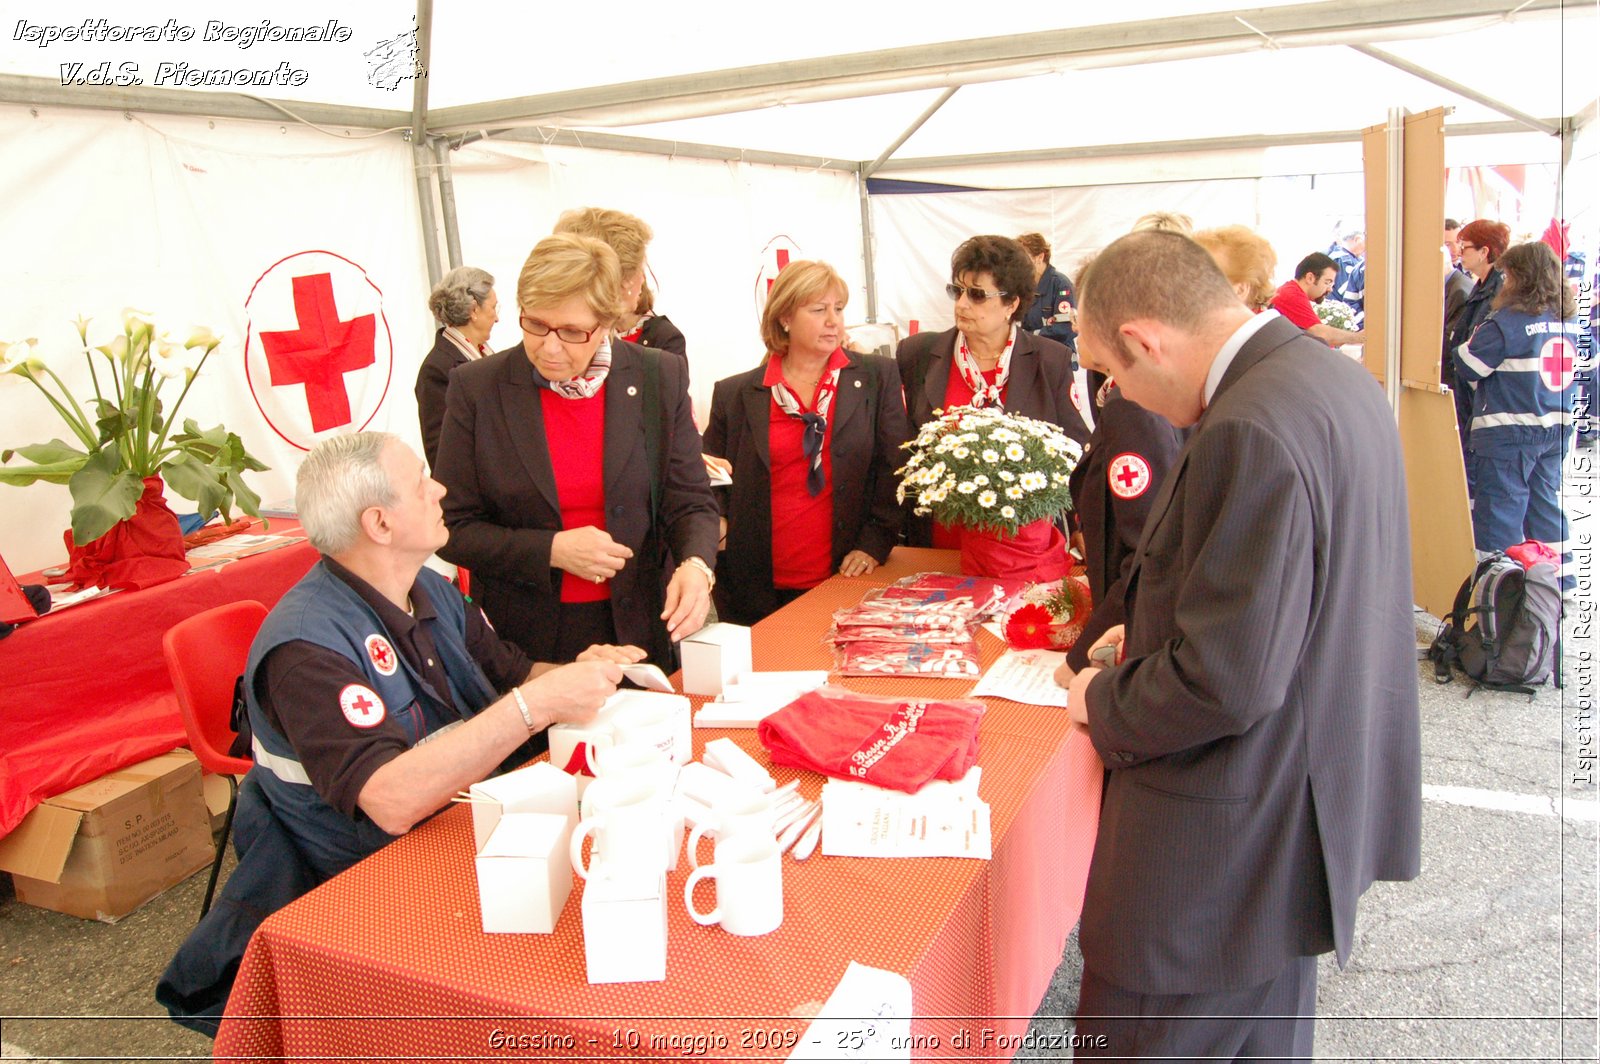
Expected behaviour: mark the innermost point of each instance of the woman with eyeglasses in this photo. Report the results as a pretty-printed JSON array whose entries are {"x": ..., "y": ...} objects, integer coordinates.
[
  {"x": 987, "y": 359},
  {"x": 1481, "y": 243},
  {"x": 573, "y": 472},
  {"x": 813, "y": 434}
]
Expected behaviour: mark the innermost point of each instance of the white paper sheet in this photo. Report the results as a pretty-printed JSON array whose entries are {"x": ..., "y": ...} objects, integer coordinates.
[
  {"x": 1025, "y": 676},
  {"x": 649, "y": 677},
  {"x": 943, "y": 819},
  {"x": 867, "y": 1017}
]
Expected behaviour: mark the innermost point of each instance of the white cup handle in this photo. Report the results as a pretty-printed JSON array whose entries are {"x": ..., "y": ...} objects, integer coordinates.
[
  {"x": 715, "y": 915},
  {"x": 701, "y": 830},
  {"x": 588, "y": 827}
]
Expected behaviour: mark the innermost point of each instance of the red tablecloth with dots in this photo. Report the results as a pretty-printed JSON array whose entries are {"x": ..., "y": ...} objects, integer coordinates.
[{"x": 388, "y": 960}]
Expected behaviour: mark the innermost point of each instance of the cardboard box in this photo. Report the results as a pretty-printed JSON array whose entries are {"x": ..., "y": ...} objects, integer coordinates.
[
  {"x": 217, "y": 794},
  {"x": 625, "y": 925},
  {"x": 525, "y": 873},
  {"x": 101, "y": 850},
  {"x": 539, "y": 788},
  {"x": 713, "y": 656}
]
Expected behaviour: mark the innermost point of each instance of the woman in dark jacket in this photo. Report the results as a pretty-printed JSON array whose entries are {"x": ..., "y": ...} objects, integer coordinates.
[
  {"x": 814, "y": 436},
  {"x": 466, "y": 306},
  {"x": 987, "y": 359},
  {"x": 1480, "y": 243},
  {"x": 574, "y": 473},
  {"x": 1054, "y": 305}
]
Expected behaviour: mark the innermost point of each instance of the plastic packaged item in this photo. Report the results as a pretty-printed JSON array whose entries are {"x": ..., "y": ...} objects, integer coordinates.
[{"x": 874, "y": 658}]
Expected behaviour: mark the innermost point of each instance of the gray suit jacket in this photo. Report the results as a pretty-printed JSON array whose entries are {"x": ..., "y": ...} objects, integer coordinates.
[{"x": 1262, "y": 735}]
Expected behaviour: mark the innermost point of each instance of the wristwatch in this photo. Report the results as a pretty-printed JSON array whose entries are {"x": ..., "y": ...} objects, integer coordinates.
[{"x": 699, "y": 563}]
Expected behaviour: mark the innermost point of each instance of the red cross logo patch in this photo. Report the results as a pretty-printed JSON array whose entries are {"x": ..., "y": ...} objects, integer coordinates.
[
  {"x": 773, "y": 258},
  {"x": 1129, "y": 475},
  {"x": 381, "y": 653},
  {"x": 361, "y": 706},
  {"x": 318, "y": 354},
  {"x": 1557, "y": 363}
]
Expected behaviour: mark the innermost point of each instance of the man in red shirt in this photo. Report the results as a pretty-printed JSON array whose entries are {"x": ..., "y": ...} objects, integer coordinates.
[{"x": 1313, "y": 279}]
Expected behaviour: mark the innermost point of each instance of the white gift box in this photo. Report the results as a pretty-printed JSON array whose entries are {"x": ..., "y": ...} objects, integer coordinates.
[
  {"x": 625, "y": 925},
  {"x": 524, "y": 875},
  {"x": 713, "y": 656},
  {"x": 539, "y": 788}
]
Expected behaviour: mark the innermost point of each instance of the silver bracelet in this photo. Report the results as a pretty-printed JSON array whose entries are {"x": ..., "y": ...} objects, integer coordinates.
[{"x": 522, "y": 704}]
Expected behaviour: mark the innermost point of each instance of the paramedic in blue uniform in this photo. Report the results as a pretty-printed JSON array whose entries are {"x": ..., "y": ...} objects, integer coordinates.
[
  {"x": 1520, "y": 364},
  {"x": 1054, "y": 303},
  {"x": 1349, "y": 255},
  {"x": 375, "y": 691}
]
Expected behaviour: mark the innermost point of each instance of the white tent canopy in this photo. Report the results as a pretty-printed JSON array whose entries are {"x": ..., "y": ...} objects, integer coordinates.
[{"x": 732, "y": 130}]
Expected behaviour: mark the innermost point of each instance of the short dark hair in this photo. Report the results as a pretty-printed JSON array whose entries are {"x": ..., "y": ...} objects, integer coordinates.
[
  {"x": 1451, "y": 223},
  {"x": 1314, "y": 264},
  {"x": 1155, "y": 274},
  {"x": 1001, "y": 258},
  {"x": 1492, "y": 237}
]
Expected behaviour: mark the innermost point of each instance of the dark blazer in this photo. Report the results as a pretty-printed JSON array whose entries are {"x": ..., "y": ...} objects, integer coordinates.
[
  {"x": 1039, "y": 386},
  {"x": 868, "y": 426},
  {"x": 1111, "y": 523},
  {"x": 432, "y": 380},
  {"x": 659, "y": 332},
  {"x": 503, "y": 511},
  {"x": 1262, "y": 735}
]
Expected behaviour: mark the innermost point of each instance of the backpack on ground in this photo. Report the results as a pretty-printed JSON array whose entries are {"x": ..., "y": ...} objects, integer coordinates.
[{"x": 1505, "y": 629}]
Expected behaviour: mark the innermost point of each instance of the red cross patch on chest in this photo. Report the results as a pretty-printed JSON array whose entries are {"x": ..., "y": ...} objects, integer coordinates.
[
  {"x": 1128, "y": 475},
  {"x": 381, "y": 653}
]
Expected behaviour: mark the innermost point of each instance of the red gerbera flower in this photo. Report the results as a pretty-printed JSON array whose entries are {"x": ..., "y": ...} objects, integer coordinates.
[{"x": 1029, "y": 627}]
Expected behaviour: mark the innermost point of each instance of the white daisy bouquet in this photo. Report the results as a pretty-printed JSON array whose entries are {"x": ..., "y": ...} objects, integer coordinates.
[
  {"x": 1338, "y": 315},
  {"x": 988, "y": 469}
]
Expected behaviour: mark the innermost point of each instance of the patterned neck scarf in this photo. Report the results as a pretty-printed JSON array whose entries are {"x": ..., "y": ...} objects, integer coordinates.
[
  {"x": 471, "y": 350},
  {"x": 983, "y": 393},
  {"x": 1104, "y": 393},
  {"x": 586, "y": 386},
  {"x": 816, "y": 429}
]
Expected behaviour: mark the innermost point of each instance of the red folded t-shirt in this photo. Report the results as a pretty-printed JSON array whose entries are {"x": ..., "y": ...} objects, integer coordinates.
[{"x": 895, "y": 743}]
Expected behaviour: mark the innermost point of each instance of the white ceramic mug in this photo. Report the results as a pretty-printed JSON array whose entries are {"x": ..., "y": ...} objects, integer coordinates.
[
  {"x": 625, "y": 758},
  {"x": 748, "y": 870},
  {"x": 750, "y": 814},
  {"x": 630, "y": 822},
  {"x": 653, "y": 724}
]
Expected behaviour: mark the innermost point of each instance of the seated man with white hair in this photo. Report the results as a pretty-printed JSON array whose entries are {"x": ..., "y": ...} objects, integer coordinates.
[{"x": 375, "y": 691}]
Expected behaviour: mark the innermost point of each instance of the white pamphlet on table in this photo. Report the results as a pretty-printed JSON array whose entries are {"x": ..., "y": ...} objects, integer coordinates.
[
  {"x": 943, "y": 819},
  {"x": 867, "y": 1017},
  {"x": 1025, "y": 676}
]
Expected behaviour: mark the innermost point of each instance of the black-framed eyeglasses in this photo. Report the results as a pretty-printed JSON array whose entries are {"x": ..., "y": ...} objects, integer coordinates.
[
  {"x": 565, "y": 333},
  {"x": 1464, "y": 246},
  {"x": 974, "y": 293}
]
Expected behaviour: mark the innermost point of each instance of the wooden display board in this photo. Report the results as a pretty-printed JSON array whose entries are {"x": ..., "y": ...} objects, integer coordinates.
[{"x": 1436, "y": 484}]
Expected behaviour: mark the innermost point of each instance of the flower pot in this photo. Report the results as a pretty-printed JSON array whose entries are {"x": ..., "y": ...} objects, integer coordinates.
[
  {"x": 141, "y": 551},
  {"x": 1038, "y": 552}
]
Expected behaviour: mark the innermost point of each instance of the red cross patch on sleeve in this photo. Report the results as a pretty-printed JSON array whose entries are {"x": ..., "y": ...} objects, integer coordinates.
[
  {"x": 1128, "y": 475},
  {"x": 361, "y": 706}
]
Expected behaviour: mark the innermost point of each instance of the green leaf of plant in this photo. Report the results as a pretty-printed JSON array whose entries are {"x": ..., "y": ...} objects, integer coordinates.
[
  {"x": 193, "y": 479},
  {"x": 248, "y": 500},
  {"x": 57, "y": 450},
  {"x": 102, "y": 494}
]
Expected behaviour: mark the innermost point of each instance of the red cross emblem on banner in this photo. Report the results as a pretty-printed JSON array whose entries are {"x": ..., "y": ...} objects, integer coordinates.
[
  {"x": 1557, "y": 363},
  {"x": 773, "y": 258},
  {"x": 318, "y": 353},
  {"x": 381, "y": 654},
  {"x": 1128, "y": 475},
  {"x": 361, "y": 706}
]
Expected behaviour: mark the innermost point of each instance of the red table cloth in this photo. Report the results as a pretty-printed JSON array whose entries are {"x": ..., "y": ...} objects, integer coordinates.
[
  {"x": 85, "y": 691},
  {"x": 388, "y": 960}
]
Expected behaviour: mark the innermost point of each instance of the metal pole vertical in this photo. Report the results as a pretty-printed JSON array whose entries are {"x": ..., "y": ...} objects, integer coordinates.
[
  {"x": 421, "y": 163},
  {"x": 1394, "y": 252},
  {"x": 447, "y": 200},
  {"x": 867, "y": 249}
]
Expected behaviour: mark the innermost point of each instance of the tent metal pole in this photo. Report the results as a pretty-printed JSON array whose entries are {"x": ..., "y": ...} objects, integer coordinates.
[
  {"x": 1456, "y": 87},
  {"x": 447, "y": 200},
  {"x": 933, "y": 108},
  {"x": 421, "y": 162},
  {"x": 1393, "y": 249},
  {"x": 868, "y": 251}
]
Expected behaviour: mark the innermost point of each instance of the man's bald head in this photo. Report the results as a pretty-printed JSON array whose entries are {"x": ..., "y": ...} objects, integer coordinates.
[{"x": 1151, "y": 275}]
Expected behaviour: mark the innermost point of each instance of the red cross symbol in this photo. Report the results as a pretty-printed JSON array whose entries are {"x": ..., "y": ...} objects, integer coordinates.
[
  {"x": 1556, "y": 363},
  {"x": 321, "y": 351},
  {"x": 783, "y": 260},
  {"x": 380, "y": 655},
  {"x": 1128, "y": 475},
  {"x": 362, "y": 704}
]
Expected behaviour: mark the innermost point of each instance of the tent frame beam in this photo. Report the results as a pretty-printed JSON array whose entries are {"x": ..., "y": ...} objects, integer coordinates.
[{"x": 1541, "y": 125}]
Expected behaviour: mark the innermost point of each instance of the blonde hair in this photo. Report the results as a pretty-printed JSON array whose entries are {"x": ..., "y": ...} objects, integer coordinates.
[
  {"x": 1245, "y": 258},
  {"x": 560, "y": 267},
  {"x": 626, "y": 235},
  {"x": 1164, "y": 221},
  {"x": 799, "y": 282}
]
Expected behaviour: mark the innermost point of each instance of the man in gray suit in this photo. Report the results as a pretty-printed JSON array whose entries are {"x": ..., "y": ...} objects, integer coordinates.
[{"x": 1260, "y": 727}]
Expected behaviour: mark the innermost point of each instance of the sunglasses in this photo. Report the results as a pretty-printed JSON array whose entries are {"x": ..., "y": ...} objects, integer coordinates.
[
  {"x": 976, "y": 295},
  {"x": 565, "y": 333}
]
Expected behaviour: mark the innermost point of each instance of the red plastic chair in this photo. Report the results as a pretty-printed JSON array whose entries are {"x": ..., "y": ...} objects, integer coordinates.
[{"x": 205, "y": 655}]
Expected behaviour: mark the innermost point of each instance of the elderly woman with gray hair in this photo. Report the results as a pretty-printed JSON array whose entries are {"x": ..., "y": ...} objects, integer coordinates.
[{"x": 466, "y": 307}]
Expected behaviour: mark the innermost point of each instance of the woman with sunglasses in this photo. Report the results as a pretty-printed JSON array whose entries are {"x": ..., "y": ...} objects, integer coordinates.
[
  {"x": 573, "y": 472},
  {"x": 987, "y": 359},
  {"x": 814, "y": 435}
]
